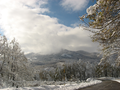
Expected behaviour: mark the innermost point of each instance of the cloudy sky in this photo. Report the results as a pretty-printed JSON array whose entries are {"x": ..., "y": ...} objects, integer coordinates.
[{"x": 46, "y": 26}]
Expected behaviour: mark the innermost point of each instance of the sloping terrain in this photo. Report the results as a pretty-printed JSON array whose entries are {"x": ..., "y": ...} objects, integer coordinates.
[{"x": 64, "y": 56}]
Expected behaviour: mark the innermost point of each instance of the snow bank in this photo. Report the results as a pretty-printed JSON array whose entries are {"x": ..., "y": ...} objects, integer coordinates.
[
  {"x": 68, "y": 86},
  {"x": 116, "y": 79},
  {"x": 110, "y": 78}
]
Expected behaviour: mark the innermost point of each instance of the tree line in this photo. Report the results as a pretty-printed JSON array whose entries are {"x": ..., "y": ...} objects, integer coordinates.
[{"x": 79, "y": 71}]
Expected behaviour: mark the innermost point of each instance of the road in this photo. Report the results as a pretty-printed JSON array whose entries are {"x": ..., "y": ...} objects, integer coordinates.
[{"x": 105, "y": 85}]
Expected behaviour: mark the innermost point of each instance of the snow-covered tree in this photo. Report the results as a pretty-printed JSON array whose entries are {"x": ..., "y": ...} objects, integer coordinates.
[
  {"x": 14, "y": 66},
  {"x": 104, "y": 22}
]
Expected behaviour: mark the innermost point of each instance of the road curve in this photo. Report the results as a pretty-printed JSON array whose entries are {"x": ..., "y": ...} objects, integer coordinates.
[{"x": 105, "y": 85}]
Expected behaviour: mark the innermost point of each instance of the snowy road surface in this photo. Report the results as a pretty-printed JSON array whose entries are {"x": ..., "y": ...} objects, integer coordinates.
[{"x": 105, "y": 85}]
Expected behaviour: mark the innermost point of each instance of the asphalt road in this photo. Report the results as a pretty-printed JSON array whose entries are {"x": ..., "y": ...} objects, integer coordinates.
[{"x": 105, "y": 85}]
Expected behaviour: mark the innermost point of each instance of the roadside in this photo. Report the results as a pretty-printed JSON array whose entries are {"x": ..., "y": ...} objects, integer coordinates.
[{"x": 105, "y": 85}]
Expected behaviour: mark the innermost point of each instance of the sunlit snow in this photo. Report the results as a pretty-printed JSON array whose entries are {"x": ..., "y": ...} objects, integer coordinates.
[{"x": 67, "y": 86}]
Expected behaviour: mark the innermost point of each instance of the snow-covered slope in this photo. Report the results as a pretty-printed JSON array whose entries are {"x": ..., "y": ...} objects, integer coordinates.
[{"x": 63, "y": 56}]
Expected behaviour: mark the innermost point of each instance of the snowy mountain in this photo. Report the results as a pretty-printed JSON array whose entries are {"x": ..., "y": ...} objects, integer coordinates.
[{"x": 65, "y": 56}]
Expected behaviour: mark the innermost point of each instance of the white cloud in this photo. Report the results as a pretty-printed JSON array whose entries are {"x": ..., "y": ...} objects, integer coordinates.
[
  {"x": 36, "y": 32},
  {"x": 74, "y": 5},
  {"x": 77, "y": 24}
]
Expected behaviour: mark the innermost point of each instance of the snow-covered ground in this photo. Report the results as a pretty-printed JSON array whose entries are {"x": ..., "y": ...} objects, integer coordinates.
[
  {"x": 110, "y": 78},
  {"x": 68, "y": 86},
  {"x": 118, "y": 80}
]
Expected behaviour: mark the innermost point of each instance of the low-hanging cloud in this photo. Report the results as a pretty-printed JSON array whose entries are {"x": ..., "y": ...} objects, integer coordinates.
[
  {"x": 74, "y": 5},
  {"x": 39, "y": 33}
]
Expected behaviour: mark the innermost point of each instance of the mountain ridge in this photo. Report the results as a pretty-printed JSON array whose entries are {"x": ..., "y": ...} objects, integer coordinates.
[{"x": 65, "y": 56}]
